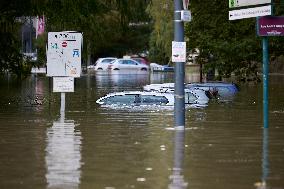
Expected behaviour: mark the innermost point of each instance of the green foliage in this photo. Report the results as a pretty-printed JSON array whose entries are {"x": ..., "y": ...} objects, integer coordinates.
[
  {"x": 40, "y": 45},
  {"x": 105, "y": 26},
  {"x": 228, "y": 46},
  {"x": 161, "y": 12}
]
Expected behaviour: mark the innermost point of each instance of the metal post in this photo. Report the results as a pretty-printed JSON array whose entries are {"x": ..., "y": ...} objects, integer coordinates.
[
  {"x": 265, "y": 157},
  {"x": 179, "y": 114},
  {"x": 179, "y": 149},
  {"x": 265, "y": 69},
  {"x": 62, "y": 107}
]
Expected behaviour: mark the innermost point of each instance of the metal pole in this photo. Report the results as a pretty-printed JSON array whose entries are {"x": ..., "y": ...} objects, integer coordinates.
[
  {"x": 265, "y": 68},
  {"x": 179, "y": 107},
  {"x": 62, "y": 107},
  {"x": 265, "y": 157},
  {"x": 179, "y": 149}
]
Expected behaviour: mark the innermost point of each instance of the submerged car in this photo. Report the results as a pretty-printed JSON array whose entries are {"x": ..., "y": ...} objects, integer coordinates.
[
  {"x": 212, "y": 89},
  {"x": 127, "y": 64},
  {"x": 102, "y": 63},
  {"x": 202, "y": 95},
  {"x": 147, "y": 98},
  {"x": 221, "y": 89}
]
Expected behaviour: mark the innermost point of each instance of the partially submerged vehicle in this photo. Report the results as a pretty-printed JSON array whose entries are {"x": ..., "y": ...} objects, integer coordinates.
[
  {"x": 221, "y": 89},
  {"x": 148, "y": 98},
  {"x": 212, "y": 89}
]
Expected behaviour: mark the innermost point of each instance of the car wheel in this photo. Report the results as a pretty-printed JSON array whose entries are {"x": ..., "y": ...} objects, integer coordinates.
[
  {"x": 116, "y": 69},
  {"x": 144, "y": 69},
  {"x": 100, "y": 69}
]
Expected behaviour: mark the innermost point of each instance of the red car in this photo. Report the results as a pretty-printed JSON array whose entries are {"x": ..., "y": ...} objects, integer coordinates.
[{"x": 141, "y": 60}]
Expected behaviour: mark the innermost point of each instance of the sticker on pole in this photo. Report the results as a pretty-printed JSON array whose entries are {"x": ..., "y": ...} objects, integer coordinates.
[
  {"x": 63, "y": 84},
  {"x": 64, "y": 54},
  {"x": 178, "y": 51}
]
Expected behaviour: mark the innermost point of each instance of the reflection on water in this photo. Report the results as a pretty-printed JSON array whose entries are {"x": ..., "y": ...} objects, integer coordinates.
[
  {"x": 224, "y": 145},
  {"x": 116, "y": 80},
  {"x": 265, "y": 161},
  {"x": 63, "y": 155},
  {"x": 177, "y": 179}
]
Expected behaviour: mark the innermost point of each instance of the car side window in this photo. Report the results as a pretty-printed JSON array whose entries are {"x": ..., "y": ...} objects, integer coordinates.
[
  {"x": 152, "y": 99},
  {"x": 130, "y": 62},
  {"x": 120, "y": 62},
  {"x": 107, "y": 60},
  {"x": 120, "y": 99}
]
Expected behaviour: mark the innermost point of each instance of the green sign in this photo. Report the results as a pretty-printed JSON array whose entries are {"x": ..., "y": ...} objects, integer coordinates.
[
  {"x": 231, "y": 3},
  {"x": 242, "y": 3}
]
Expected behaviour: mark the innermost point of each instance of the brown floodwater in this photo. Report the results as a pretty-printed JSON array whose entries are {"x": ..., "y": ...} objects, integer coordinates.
[{"x": 91, "y": 147}]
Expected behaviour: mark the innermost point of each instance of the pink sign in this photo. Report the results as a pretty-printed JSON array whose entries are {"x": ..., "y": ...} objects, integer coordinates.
[
  {"x": 40, "y": 25},
  {"x": 270, "y": 26}
]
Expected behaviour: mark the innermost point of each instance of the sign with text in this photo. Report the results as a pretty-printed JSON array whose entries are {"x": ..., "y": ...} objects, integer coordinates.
[
  {"x": 64, "y": 54},
  {"x": 270, "y": 26},
  {"x": 63, "y": 84},
  {"x": 185, "y": 15},
  {"x": 250, "y": 12},
  {"x": 178, "y": 51},
  {"x": 241, "y": 3}
]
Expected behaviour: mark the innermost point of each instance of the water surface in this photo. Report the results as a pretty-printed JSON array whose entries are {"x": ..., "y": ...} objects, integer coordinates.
[{"x": 224, "y": 145}]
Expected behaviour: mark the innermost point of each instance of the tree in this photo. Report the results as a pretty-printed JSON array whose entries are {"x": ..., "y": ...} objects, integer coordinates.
[
  {"x": 106, "y": 25},
  {"x": 228, "y": 46},
  {"x": 161, "y": 12}
]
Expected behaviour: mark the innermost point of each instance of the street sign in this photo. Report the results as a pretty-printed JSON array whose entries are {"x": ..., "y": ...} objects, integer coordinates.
[
  {"x": 178, "y": 51},
  {"x": 241, "y": 3},
  {"x": 64, "y": 54},
  {"x": 270, "y": 26},
  {"x": 185, "y": 15},
  {"x": 63, "y": 84},
  {"x": 250, "y": 12}
]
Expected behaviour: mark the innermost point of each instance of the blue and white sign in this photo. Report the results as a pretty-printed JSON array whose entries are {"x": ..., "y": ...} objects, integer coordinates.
[
  {"x": 64, "y": 54},
  {"x": 178, "y": 51}
]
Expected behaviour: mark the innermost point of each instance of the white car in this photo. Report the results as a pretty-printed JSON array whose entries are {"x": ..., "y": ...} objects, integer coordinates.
[
  {"x": 102, "y": 63},
  {"x": 149, "y": 98},
  {"x": 201, "y": 95},
  {"x": 127, "y": 64}
]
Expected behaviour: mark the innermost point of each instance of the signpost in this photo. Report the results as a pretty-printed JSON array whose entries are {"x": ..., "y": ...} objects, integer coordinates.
[
  {"x": 250, "y": 12},
  {"x": 240, "y": 3},
  {"x": 178, "y": 56},
  {"x": 64, "y": 54},
  {"x": 64, "y": 61},
  {"x": 266, "y": 26}
]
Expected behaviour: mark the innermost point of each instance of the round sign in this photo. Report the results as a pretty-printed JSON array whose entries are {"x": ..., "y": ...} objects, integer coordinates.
[{"x": 64, "y": 44}]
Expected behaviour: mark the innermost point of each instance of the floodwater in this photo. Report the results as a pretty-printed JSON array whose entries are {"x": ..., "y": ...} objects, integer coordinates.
[{"x": 90, "y": 147}]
